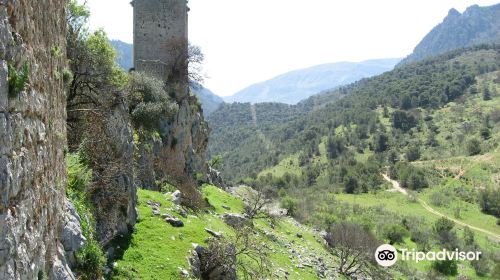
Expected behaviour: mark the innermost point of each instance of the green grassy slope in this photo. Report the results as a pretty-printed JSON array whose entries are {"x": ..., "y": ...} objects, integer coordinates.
[{"x": 158, "y": 250}]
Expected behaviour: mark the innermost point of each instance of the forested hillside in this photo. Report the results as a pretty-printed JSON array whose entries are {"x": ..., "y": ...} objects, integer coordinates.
[
  {"x": 432, "y": 126},
  {"x": 251, "y": 138},
  {"x": 477, "y": 25}
]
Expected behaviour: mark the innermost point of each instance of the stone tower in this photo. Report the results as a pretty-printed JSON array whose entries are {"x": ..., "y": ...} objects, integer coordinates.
[{"x": 160, "y": 35}]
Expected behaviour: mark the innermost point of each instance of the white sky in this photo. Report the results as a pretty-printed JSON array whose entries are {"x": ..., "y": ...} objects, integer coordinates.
[{"x": 248, "y": 41}]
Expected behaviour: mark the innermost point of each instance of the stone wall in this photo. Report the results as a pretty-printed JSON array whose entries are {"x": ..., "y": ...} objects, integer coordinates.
[{"x": 32, "y": 141}]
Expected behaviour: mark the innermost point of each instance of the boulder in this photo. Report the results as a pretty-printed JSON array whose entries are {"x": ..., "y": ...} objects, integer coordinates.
[
  {"x": 235, "y": 220},
  {"x": 174, "y": 222},
  {"x": 214, "y": 233},
  {"x": 177, "y": 197},
  {"x": 72, "y": 237}
]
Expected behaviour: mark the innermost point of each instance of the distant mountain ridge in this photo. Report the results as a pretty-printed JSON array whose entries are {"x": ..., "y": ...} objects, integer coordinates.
[
  {"x": 298, "y": 85},
  {"x": 124, "y": 54},
  {"x": 477, "y": 25},
  {"x": 209, "y": 101}
]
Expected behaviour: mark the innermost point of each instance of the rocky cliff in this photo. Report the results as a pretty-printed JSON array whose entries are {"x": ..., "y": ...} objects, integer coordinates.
[
  {"x": 32, "y": 137},
  {"x": 179, "y": 155},
  {"x": 476, "y": 25}
]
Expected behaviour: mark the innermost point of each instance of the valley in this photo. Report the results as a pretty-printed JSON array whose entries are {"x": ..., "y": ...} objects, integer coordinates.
[{"x": 117, "y": 163}]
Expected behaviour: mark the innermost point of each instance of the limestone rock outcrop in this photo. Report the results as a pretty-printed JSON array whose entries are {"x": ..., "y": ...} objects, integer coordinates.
[
  {"x": 180, "y": 154},
  {"x": 32, "y": 140}
]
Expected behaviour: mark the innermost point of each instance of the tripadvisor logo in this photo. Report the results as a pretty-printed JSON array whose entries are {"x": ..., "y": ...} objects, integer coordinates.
[{"x": 386, "y": 255}]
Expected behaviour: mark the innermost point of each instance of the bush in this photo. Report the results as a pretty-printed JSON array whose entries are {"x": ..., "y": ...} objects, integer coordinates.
[
  {"x": 489, "y": 200},
  {"x": 413, "y": 153},
  {"x": 79, "y": 176},
  {"x": 446, "y": 267},
  {"x": 290, "y": 204},
  {"x": 90, "y": 258},
  {"x": 481, "y": 266},
  {"x": 395, "y": 233},
  {"x": 410, "y": 176},
  {"x": 17, "y": 82},
  {"x": 149, "y": 103},
  {"x": 473, "y": 147},
  {"x": 91, "y": 261}
]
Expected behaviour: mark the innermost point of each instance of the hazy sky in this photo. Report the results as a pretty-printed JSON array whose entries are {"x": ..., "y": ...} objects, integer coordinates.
[{"x": 248, "y": 41}]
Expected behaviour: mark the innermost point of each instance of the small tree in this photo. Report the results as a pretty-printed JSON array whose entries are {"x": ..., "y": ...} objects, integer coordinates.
[
  {"x": 290, "y": 204},
  {"x": 446, "y": 267},
  {"x": 445, "y": 234},
  {"x": 473, "y": 147},
  {"x": 395, "y": 233},
  {"x": 187, "y": 61},
  {"x": 257, "y": 204},
  {"x": 353, "y": 245},
  {"x": 242, "y": 252},
  {"x": 413, "y": 153},
  {"x": 486, "y": 93}
]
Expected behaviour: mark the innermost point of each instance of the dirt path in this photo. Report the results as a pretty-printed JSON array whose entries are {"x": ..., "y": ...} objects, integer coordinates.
[{"x": 397, "y": 187}]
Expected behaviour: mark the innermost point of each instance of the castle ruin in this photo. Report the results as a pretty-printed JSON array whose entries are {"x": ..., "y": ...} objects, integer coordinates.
[{"x": 160, "y": 38}]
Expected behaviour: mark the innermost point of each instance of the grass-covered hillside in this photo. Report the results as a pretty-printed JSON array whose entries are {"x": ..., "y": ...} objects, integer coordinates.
[{"x": 158, "y": 250}]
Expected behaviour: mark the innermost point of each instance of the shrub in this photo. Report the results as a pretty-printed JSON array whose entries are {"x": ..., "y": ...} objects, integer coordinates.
[
  {"x": 290, "y": 204},
  {"x": 90, "y": 259},
  {"x": 410, "y": 176},
  {"x": 481, "y": 266},
  {"x": 446, "y": 267},
  {"x": 413, "y": 153},
  {"x": 353, "y": 245},
  {"x": 489, "y": 200},
  {"x": 395, "y": 233},
  {"x": 473, "y": 147},
  {"x": 17, "y": 82},
  {"x": 149, "y": 103}
]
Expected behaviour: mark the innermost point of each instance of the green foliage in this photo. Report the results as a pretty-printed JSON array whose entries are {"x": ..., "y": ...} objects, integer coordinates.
[
  {"x": 403, "y": 120},
  {"x": 77, "y": 15},
  {"x": 290, "y": 204},
  {"x": 102, "y": 57},
  {"x": 216, "y": 162},
  {"x": 443, "y": 225},
  {"x": 410, "y": 176},
  {"x": 335, "y": 146},
  {"x": 381, "y": 143},
  {"x": 79, "y": 175},
  {"x": 473, "y": 147},
  {"x": 446, "y": 267},
  {"x": 42, "y": 275},
  {"x": 90, "y": 258},
  {"x": 56, "y": 51},
  {"x": 395, "y": 233},
  {"x": 17, "y": 81},
  {"x": 413, "y": 153},
  {"x": 481, "y": 266},
  {"x": 280, "y": 130},
  {"x": 148, "y": 101},
  {"x": 489, "y": 200},
  {"x": 486, "y": 93}
]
